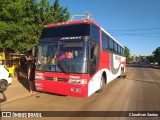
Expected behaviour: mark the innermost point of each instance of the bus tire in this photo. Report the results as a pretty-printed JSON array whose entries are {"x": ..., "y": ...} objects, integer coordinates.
[
  {"x": 3, "y": 85},
  {"x": 123, "y": 75},
  {"x": 102, "y": 83}
]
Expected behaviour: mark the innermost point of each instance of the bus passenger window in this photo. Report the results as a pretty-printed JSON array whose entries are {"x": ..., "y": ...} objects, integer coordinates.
[
  {"x": 115, "y": 47},
  {"x": 119, "y": 51},
  {"x": 104, "y": 42},
  {"x": 111, "y": 43}
]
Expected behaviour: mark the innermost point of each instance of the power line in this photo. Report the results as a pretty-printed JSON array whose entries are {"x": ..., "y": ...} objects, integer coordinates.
[
  {"x": 140, "y": 29},
  {"x": 136, "y": 34},
  {"x": 154, "y": 32}
]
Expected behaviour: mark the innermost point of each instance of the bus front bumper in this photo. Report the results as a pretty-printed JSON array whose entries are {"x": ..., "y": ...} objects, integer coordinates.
[{"x": 62, "y": 88}]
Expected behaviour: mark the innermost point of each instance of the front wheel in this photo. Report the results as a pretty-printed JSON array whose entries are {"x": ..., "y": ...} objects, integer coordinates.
[
  {"x": 3, "y": 85},
  {"x": 102, "y": 83}
]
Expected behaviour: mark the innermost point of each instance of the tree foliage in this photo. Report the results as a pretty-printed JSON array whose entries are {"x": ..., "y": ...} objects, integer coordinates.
[
  {"x": 151, "y": 58},
  {"x": 22, "y": 21},
  {"x": 156, "y": 54},
  {"x": 127, "y": 53}
]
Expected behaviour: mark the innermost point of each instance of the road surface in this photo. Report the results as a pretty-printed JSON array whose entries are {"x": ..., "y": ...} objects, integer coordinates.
[{"x": 139, "y": 91}]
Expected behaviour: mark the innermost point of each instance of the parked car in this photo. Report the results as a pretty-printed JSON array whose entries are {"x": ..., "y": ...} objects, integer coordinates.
[{"x": 5, "y": 78}]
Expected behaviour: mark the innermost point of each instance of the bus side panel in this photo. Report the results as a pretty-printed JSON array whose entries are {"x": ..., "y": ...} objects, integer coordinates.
[
  {"x": 123, "y": 64},
  {"x": 110, "y": 64},
  {"x": 94, "y": 83},
  {"x": 116, "y": 62}
]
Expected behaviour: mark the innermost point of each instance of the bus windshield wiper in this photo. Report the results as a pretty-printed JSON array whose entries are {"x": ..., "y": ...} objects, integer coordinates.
[{"x": 63, "y": 66}]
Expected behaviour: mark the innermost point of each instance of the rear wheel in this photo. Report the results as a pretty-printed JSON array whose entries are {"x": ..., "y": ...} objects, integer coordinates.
[
  {"x": 102, "y": 83},
  {"x": 123, "y": 75},
  {"x": 3, "y": 85}
]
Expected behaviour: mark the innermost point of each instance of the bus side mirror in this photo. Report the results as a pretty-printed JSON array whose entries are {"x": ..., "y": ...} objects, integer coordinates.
[
  {"x": 91, "y": 49},
  {"x": 95, "y": 52}
]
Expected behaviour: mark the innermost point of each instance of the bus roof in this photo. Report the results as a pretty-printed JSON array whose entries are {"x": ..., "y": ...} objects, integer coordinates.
[{"x": 71, "y": 23}]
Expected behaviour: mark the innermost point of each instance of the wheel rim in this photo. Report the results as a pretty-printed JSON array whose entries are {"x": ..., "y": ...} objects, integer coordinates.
[{"x": 102, "y": 83}]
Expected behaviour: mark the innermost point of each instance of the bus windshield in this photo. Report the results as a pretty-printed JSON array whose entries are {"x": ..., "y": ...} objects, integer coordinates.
[{"x": 63, "y": 56}]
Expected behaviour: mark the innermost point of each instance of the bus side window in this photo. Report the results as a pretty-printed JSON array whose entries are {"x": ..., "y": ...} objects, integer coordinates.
[
  {"x": 116, "y": 47},
  {"x": 105, "y": 43},
  {"x": 119, "y": 49},
  {"x": 111, "y": 44},
  {"x": 95, "y": 33}
]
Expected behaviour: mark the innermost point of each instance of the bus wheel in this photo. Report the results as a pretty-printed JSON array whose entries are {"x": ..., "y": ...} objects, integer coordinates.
[
  {"x": 123, "y": 75},
  {"x": 3, "y": 85},
  {"x": 102, "y": 83}
]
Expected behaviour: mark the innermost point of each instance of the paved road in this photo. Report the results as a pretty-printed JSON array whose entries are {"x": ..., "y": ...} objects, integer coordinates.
[{"x": 139, "y": 91}]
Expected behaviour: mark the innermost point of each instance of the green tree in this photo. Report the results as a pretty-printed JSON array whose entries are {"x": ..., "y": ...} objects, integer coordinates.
[
  {"x": 22, "y": 21},
  {"x": 156, "y": 55},
  {"x": 10, "y": 16},
  {"x": 151, "y": 58},
  {"x": 127, "y": 53}
]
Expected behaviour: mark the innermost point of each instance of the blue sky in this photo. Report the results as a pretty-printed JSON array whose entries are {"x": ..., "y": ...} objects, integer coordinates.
[{"x": 134, "y": 23}]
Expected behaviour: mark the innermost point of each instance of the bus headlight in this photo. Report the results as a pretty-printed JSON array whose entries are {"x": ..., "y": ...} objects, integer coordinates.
[
  {"x": 39, "y": 77},
  {"x": 79, "y": 81},
  {"x": 38, "y": 84}
]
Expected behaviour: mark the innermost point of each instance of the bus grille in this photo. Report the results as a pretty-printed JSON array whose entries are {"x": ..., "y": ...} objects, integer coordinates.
[{"x": 56, "y": 79}]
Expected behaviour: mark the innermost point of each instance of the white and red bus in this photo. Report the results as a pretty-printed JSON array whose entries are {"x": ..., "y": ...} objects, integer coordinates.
[{"x": 77, "y": 58}]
